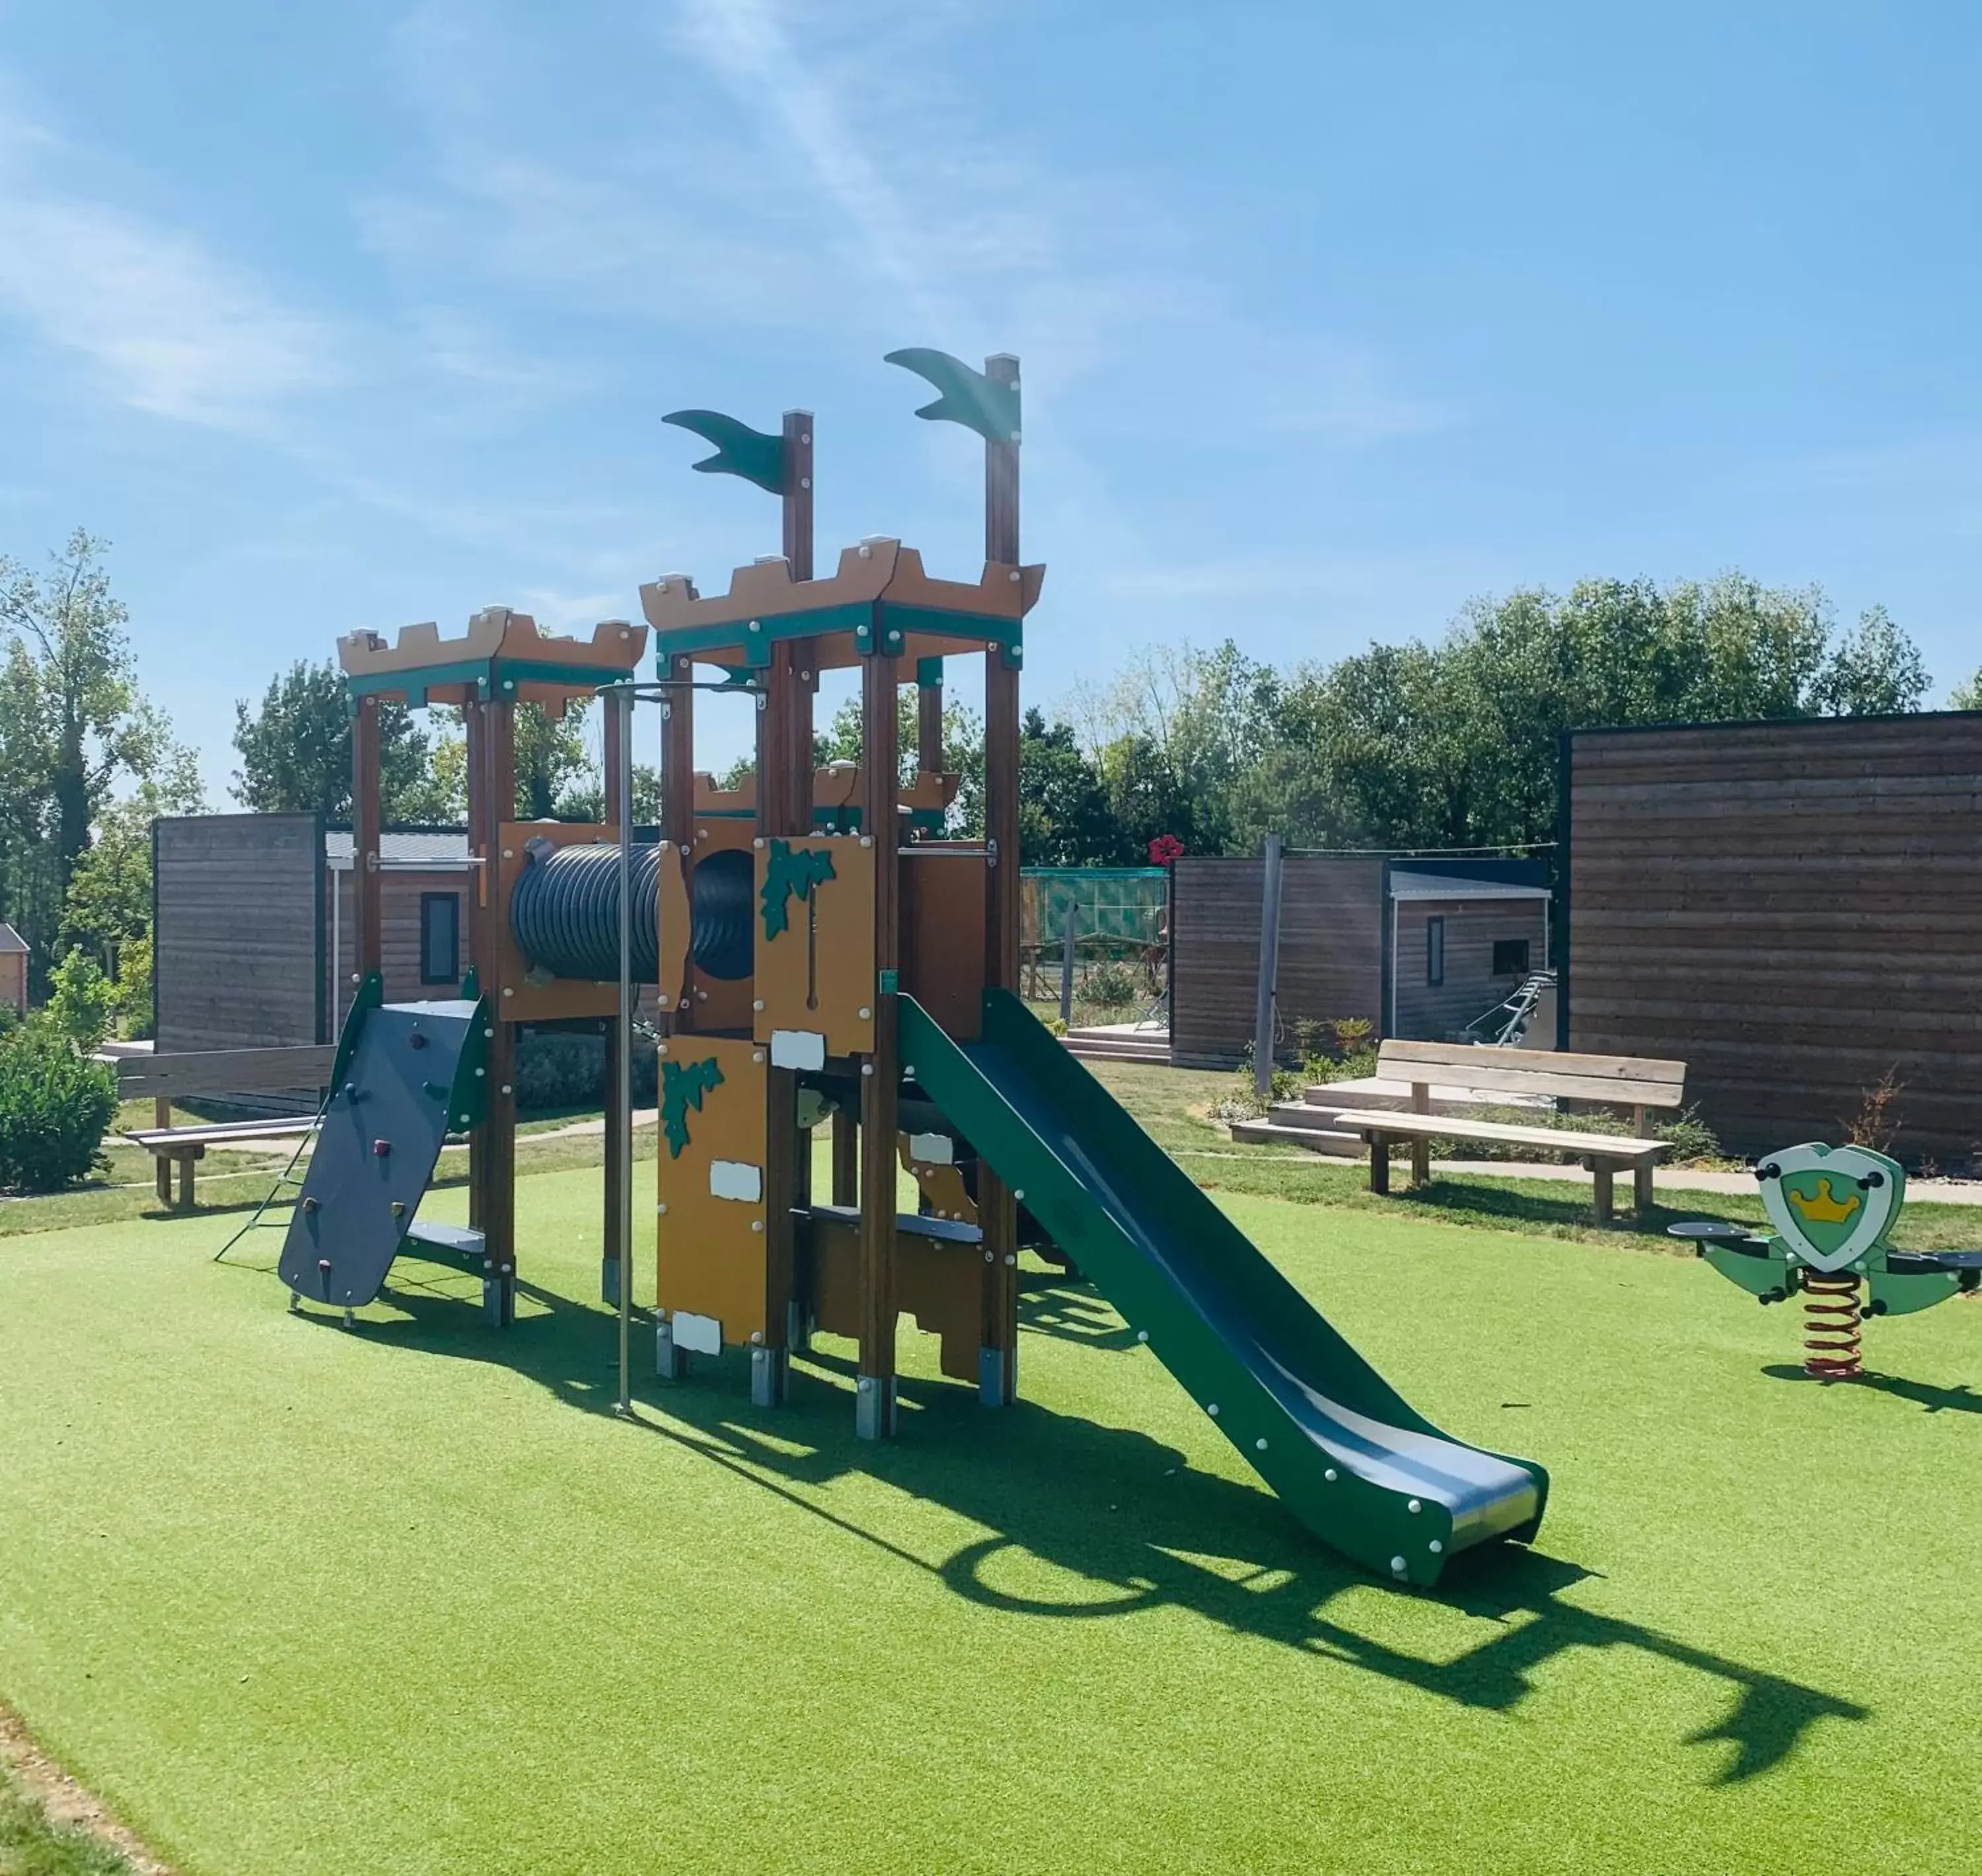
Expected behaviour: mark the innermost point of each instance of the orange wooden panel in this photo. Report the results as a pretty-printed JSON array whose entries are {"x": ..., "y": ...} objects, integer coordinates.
[
  {"x": 818, "y": 974},
  {"x": 711, "y": 1252},
  {"x": 938, "y": 1285},
  {"x": 675, "y": 932},
  {"x": 942, "y": 1184},
  {"x": 945, "y": 897}
]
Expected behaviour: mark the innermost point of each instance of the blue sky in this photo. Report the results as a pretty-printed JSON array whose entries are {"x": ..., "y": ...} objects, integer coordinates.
[{"x": 1331, "y": 318}]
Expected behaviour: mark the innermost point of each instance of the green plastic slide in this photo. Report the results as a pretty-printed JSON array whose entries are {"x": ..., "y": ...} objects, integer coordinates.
[{"x": 1366, "y": 1474}]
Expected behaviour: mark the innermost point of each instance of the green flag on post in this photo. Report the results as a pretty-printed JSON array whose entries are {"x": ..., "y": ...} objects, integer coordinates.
[
  {"x": 740, "y": 450},
  {"x": 968, "y": 397}
]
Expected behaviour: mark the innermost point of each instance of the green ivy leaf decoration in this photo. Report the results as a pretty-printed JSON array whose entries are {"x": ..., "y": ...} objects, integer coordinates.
[
  {"x": 786, "y": 873},
  {"x": 682, "y": 1086}
]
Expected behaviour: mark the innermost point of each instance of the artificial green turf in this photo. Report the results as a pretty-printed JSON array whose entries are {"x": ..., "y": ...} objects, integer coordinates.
[{"x": 411, "y": 1599}]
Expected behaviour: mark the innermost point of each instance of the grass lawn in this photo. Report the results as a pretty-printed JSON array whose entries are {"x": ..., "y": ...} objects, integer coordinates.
[{"x": 412, "y": 1600}]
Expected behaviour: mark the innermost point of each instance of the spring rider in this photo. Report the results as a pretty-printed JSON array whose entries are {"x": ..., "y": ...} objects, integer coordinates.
[{"x": 1832, "y": 1208}]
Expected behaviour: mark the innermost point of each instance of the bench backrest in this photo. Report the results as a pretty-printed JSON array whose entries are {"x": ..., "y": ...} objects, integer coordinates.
[
  {"x": 225, "y": 1070},
  {"x": 1629, "y": 1081}
]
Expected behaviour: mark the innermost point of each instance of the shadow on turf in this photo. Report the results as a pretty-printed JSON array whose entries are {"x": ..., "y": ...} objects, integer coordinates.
[
  {"x": 1573, "y": 1210},
  {"x": 1121, "y": 1513},
  {"x": 1961, "y": 1400}
]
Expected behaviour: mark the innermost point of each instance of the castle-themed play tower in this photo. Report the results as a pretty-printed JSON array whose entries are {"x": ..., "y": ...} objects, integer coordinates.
[
  {"x": 843, "y": 924},
  {"x": 820, "y": 949}
]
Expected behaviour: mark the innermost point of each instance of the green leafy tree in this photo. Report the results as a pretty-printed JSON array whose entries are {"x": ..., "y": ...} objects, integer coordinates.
[
  {"x": 1454, "y": 745},
  {"x": 1064, "y": 816},
  {"x": 1173, "y": 736},
  {"x": 555, "y": 776},
  {"x": 74, "y": 725},
  {"x": 1967, "y": 696},
  {"x": 108, "y": 913},
  {"x": 83, "y": 704},
  {"x": 963, "y": 754},
  {"x": 295, "y": 752},
  {"x": 82, "y": 1002},
  {"x": 72, "y": 728},
  {"x": 1874, "y": 672}
]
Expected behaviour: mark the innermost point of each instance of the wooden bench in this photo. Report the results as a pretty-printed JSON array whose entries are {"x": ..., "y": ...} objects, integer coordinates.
[
  {"x": 1621, "y": 1080},
  {"x": 215, "y": 1071}
]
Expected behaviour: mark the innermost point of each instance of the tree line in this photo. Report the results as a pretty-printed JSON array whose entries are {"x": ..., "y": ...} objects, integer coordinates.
[{"x": 1442, "y": 743}]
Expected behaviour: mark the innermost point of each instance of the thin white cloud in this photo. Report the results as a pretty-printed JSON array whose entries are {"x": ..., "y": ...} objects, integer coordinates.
[
  {"x": 161, "y": 323},
  {"x": 745, "y": 43}
]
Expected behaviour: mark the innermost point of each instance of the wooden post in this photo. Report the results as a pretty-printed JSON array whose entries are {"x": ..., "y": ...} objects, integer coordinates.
[
  {"x": 784, "y": 811},
  {"x": 613, "y": 1265},
  {"x": 874, "y": 1409},
  {"x": 678, "y": 832},
  {"x": 161, "y": 1116},
  {"x": 929, "y": 728},
  {"x": 1269, "y": 971},
  {"x": 803, "y": 672},
  {"x": 499, "y": 1158},
  {"x": 482, "y": 950},
  {"x": 678, "y": 805},
  {"x": 846, "y": 1157},
  {"x": 1068, "y": 936},
  {"x": 997, "y": 1210},
  {"x": 365, "y": 823}
]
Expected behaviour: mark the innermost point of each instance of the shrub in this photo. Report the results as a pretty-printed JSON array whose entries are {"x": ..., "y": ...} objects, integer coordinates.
[
  {"x": 1244, "y": 1102},
  {"x": 1109, "y": 983},
  {"x": 1356, "y": 1066},
  {"x": 56, "y": 1106},
  {"x": 1693, "y": 1142},
  {"x": 82, "y": 1002},
  {"x": 1876, "y": 1123},
  {"x": 1337, "y": 1051},
  {"x": 556, "y": 1070}
]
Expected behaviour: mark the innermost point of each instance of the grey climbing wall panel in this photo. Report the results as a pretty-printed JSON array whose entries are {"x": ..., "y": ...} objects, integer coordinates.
[{"x": 413, "y": 1073}]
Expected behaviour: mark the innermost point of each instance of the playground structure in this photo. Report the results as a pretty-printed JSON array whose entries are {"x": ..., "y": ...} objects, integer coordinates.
[
  {"x": 822, "y": 953},
  {"x": 1833, "y": 1209}
]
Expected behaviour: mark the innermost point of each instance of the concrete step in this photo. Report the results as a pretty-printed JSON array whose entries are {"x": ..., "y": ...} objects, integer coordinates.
[
  {"x": 1312, "y": 1139},
  {"x": 1110, "y": 1045}
]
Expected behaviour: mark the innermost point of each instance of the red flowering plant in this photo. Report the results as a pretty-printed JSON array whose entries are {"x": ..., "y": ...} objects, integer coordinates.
[{"x": 1166, "y": 850}]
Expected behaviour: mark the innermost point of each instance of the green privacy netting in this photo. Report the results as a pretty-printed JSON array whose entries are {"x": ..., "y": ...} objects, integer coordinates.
[{"x": 1127, "y": 903}]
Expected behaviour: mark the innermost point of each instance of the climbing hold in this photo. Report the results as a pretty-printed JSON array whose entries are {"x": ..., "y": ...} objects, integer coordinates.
[{"x": 382, "y": 1147}]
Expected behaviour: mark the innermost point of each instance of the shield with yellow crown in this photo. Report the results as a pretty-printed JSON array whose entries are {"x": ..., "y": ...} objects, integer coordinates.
[{"x": 1830, "y": 1205}]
